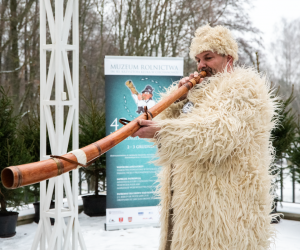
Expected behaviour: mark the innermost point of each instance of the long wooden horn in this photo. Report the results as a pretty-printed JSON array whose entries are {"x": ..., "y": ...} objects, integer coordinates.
[{"x": 22, "y": 175}]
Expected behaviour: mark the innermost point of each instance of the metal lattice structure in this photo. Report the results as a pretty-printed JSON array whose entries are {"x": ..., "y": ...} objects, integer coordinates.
[{"x": 55, "y": 99}]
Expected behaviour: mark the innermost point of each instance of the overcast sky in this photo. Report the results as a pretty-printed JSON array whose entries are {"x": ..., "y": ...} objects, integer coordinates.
[{"x": 266, "y": 13}]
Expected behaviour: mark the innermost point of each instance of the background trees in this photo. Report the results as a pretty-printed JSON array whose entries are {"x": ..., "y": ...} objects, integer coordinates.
[
  {"x": 295, "y": 155},
  {"x": 134, "y": 28},
  {"x": 113, "y": 27},
  {"x": 285, "y": 59}
]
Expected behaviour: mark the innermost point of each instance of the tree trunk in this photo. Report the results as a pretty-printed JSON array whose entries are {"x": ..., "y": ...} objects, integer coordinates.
[
  {"x": 35, "y": 46},
  {"x": 96, "y": 182},
  {"x": 3, "y": 205},
  {"x": 2, "y": 21},
  {"x": 25, "y": 48},
  {"x": 14, "y": 51}
]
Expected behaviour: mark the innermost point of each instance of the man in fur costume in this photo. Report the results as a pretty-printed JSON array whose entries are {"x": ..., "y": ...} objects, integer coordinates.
[{"x": 215, "y": 182}]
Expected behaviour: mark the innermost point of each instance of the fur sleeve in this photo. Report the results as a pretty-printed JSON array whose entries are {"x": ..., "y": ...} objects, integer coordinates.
[{"x": 232, "y": 112}]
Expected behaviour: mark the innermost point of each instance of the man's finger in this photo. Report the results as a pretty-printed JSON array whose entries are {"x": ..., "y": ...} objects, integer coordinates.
[
  {"x": 141, "y": 133},
  {"x": 183, "y": 81},
  {"x": 201, "y": 80},
  {"x": 146, "y": 123}
]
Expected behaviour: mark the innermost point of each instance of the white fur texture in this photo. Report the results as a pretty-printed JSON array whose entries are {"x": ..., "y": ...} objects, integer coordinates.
[
  {"x": 221, "y": 153},
  {"x": 216, "y": 39}
]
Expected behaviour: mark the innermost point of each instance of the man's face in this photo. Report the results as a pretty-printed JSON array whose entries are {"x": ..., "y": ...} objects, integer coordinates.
[
  {"x": 146, "y": 95},
  {"x": 212, "y": 63}
]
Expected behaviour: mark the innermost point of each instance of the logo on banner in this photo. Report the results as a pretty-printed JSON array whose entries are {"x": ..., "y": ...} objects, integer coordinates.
[
  {"x": 129, "y": 219},
  {"x": 121, "y": 219},
  {"x": 140, "y": 213}
]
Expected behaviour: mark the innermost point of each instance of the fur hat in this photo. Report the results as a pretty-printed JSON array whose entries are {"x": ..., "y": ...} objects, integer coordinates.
[{"x": 217, "y": 39}]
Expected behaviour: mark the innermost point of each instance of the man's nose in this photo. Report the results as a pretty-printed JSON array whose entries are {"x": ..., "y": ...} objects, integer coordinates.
[{"x": 201, "y": 65}]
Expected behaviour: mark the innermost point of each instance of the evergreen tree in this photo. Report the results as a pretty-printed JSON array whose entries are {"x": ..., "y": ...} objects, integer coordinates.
[
  {"x": 284, "y": 134},
  {"x": 29, "y": 129},
  {"x": 12, "y": 151},
  {"x": 294, "y": 155},
  {"x": 92, "y": 128}
]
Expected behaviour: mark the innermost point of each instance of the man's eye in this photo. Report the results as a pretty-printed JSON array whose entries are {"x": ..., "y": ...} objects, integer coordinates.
[{"x": 207, "y": 58}]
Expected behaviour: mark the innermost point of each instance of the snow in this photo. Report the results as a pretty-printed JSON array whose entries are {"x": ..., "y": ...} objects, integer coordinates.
[
  {"x": 29, "y": 209},
  {"x": 288, "y": 236}
]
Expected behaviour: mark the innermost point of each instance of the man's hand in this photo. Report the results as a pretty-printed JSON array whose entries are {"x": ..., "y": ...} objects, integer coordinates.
[
  {"x": 148, "y": 129},
  {"x": 185, "y": 80}
]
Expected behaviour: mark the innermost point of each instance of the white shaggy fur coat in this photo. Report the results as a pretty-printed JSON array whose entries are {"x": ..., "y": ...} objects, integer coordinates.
[{"x": 215, "y": 178}]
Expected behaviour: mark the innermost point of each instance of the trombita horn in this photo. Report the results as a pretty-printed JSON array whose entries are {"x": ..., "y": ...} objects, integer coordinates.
[{"x": 22, "y": 175}]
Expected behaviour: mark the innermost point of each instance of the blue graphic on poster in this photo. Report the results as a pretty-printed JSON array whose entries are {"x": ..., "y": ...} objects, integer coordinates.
[{"x": 131, "y": 178}]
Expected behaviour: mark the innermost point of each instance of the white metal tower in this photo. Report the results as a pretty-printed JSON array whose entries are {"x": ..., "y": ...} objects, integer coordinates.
[{"x": 54, "y": 75}]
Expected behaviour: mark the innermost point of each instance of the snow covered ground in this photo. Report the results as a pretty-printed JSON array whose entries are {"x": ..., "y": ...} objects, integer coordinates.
[{"x": 288, "y": 236}]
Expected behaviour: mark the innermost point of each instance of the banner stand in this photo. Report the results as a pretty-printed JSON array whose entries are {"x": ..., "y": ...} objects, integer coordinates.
[{"x": 131, "y": 83}]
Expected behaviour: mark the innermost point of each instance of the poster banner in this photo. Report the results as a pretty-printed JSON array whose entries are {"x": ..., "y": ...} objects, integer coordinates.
[{"x": 130, "y": 84}]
